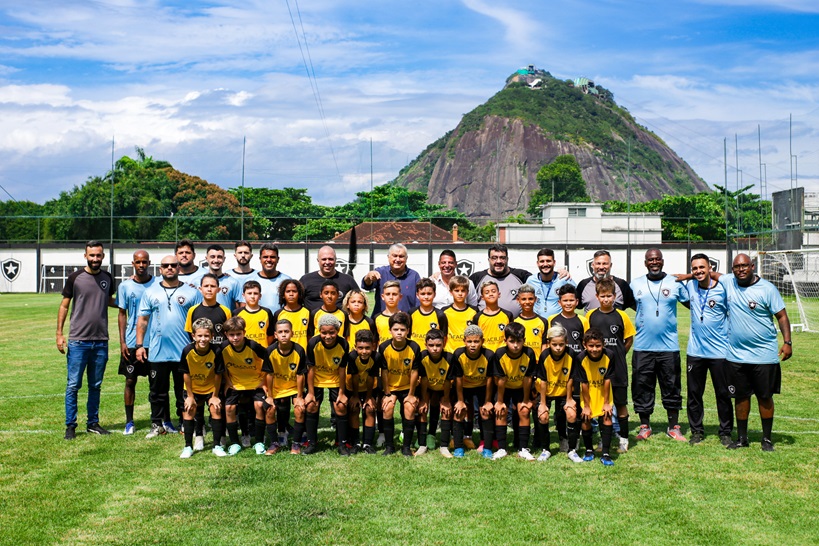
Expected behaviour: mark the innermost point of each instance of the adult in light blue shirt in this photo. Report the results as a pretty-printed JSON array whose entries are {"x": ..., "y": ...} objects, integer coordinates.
[
  {"x": 189, "y": 272},
  {"x": 656, "y": 345},
  {"x": 230, "y": 291},
  {"x": 753, "y": 352},
  {"x": 546, "y": 284}
]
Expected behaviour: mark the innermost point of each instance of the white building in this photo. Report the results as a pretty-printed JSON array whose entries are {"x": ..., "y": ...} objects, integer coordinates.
[{"x": 585, "y": 223}]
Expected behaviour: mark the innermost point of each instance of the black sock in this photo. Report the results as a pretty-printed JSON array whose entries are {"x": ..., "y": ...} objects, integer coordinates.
[
  {"x": 259, "y": 426},
  {"x": 446, "y": 432},
  {"x": 469, "y": 426},
  {"x": 767, "y": 427},
  {"x": 545, "y": 437},
  {"x": 605, "y": 435},
  {"x": 342, "y": 424},
  {"x": 645, "y": 419},
  {"x": 271, "y": 431},
  {"x": 352, "y": 435},
  {"x": 422, "y": 433},
  {"x": 587, "y": 440},
  {"x": 742, "y": 428},
  {"x": 500, "y": 436},
  {"x": 572, "y": 433},
  {"x": 486, "y": 433},
  {"x": 623, "y": 427},
  {"x": 129, "y": 413},
  {"x": 187, "y": 426},
  {"x": 523, "y": 436},
  {"x": 389, "y": 432},
  {"x": 243, "y": 423},
  {"x": 311, "y": 424},
  {"x": 218, "y": 431},
  {"x": 298, "y": 432},
  {"x": 408, "y": 426},
  {"x": 673, "y": 418},
  {"x": 379, "y": 421},
  {"x": 434, "y": 414},
  {"x": 369, "y": 435},
  {"x": 458, "y": 434},
  {"x": 233, "y": 432},
  {"x": 537, "y": 440}
]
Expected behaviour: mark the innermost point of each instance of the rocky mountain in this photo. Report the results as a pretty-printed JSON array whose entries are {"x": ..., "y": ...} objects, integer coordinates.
[{"x": 487, "y": 166}]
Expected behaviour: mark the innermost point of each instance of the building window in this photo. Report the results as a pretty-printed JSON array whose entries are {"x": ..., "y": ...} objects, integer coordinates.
[{"x": 577, "y": 212}]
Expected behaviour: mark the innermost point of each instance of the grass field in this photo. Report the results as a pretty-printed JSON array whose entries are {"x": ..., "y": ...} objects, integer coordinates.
[{"x": 129, "y": 490}]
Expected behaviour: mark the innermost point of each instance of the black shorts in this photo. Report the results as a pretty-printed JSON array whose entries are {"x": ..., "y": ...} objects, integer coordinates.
[
  {"x": 234, "y": 397},
  {"x": 761, "y": 380},
  {"x": 319, "y": 394},
  {"x": 513, "y": 395},
  {"x": 132, "y": 368},
  {"x": 470, "y": 393},
  {"x": 620, "y": 395},
  {"x": 200, "y": 399}
]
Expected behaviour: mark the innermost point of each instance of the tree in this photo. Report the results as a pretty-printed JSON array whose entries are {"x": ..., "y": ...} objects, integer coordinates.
[
  {"x": 279, "y": 213},
  {"x": 559, "y": 181},
  {"x": 19, "y": 222}
]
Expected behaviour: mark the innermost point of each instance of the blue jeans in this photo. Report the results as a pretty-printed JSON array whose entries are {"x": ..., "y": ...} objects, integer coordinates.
[{"x": 85, "y": 357}]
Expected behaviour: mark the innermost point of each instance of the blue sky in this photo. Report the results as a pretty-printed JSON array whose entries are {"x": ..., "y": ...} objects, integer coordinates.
[{"x": 188, "y": 80}]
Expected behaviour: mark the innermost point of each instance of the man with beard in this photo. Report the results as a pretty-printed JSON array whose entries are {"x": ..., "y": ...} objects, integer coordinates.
[
  {"x": 243, "y": 253},
  {"x": 447, "y": 264},
  {"x": 92, "y": 290},
  {"x": 189, "y": 272},
  {"x": 509, "y": 279},
  {"x": 586, "y": 293},
  {"x": 546, "y": 284},
  {"x": 326, "y": 272},
  {"x": 230, "y": 290},
  {"x": 269, "y": 277}
]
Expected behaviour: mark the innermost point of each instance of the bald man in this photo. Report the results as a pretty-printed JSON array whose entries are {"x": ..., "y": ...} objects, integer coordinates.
[{"x": 326, "y": 272}]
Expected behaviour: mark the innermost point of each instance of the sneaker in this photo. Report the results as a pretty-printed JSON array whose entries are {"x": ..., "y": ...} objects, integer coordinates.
[
  {"x": 343, "y": 450},
  {"x": 468, "y": 443},
  {"x": 187, "y": 453},
  {"x": 129, "y": 428},
  {"x": 458, "y": 453},
  {"x": 70, "y": 432},
  {"x": 169, "y": 428},
  {"x": 525, "y": 455},
  {"x": 644, "y": 433},
  {"x": 696, "y": 438},
  {"x": 156, "y": 430},
  {"x": 381, "y": 440},
  {"x": 725, "y": 440},
  {"x": 234, "y": 449},
  {"x": 767, "y": 445},
  {"x": 389, "y": 450},
  {"x": 274, "y": 448},
  {"x": 606, "y": 460},
  {"x": 421, "y": 451},
  {"x": 623, "y": 447},
  {"x": 544, "y": 455},
  {"x": 738, "y": 443},
  {"x": 219, "y": 451},
  {"x": 574, "y": 457},
  {"x": 246, "y": 442},
  {"x": 445, "y": 453},
  {"x": 295, "y": 448},
  {"x": 589, "y": 456},
  {"x": 431, "y": 442},
  {"x": 406, "y": 452},
  {"x": 675, "y": 434},
  {"x": 309, "y": 448},
  {"x": 259, "y": 448},
  {"x": 499, "y": 454},
  {"x": 564, "y": 445},
  {"x": 368, "y": 449},
  {"x": 353, "y": 449},
  {"x": 198, "y": 443},
  {"x": 97, "y": 429}
]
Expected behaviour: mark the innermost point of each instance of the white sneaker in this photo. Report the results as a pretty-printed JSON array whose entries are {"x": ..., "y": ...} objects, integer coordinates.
[
  {"x": 445, "y": 452},
  {"x": 499, "y": 454},
  {"x": 259, "y": 448},
  {"x": 156, "y": 430},
  {"x": 421, "y": 451},
  {"x": 574, "y": 457},
  {"x": 381, "y": 440},
  {"x": 246, "y": 440},
  {"x": 186, "y": 453},
  {"x": 198, "y": 443},
  {"x": 544, "y": 455},
  {"x": 525, "y": 455},
  {"x": 219, "y": 451},
  {"x": 623, "y": 445}
]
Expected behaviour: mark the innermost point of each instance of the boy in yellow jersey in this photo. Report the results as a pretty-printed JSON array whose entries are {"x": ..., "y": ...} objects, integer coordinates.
[
  {"x": 286, "y": 369},
  {"x": 426, "y": 317},
  {"x": 594, "y": 373},
  {"x": 397, "y": 358},
  {"x": 459, "y": 315},
  {"x": 361, "y": 396},
  {"x": 244, "y": 380},
  {"x": 512, "y": 369},
  {"x": 291, "y": 299},
  {"x": 202, "y": 367},
  {"x": 555, "y": 382},
  {"x": 259, "y": 320},
  {"x": 534, "y": 324},
  {"x": 574, "y": 324},
  {"x": 432, "y": 373},
  {"x": 469, "y": 370},
  {"x": 356, "y": 306},
  {"x": 327, "y": 363},
  {"x": 390, "y": 295},
  {"x": 619, "y": 335},
  {"x": 492, "y": 319},
  {"x": 329, "y": 306}
]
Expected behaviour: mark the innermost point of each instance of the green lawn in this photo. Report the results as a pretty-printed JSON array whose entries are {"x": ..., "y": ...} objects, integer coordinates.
[{"x": 130, "y": 490}]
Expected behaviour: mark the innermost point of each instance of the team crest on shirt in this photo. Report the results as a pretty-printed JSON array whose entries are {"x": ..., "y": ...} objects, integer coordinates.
[
  {"x": 261, "y": 324},
  {"x": 602, "y": 370},
  {"x": 732, "y": 389},
  {"x": 481, "y": 370},
  {"x": 248, "y": 361},
  {"x": 565, "y": 371},
  {"x": 575, "y": 335},
  {"x": 752, "y": 304},
  {"x": 129, "y": 369},
  {"x": 614, "y": 328},
  {"x": 336, "y": 360},
  {"x": 639, "y": 292},
  {"x": 104, "y": 284},
  {"x": 209, "y": 365},
  {"x": 433, "y": 325},
  {"x": 501, "y": 327},
  {"x": 536, "y": 331},
  {"x": 666, "y": 292},
  {"x": 292, "y": 365},
  {"x": 223, "y": 290},
  {"x": 304, "y": 322},
  {"x": 712, "y": 303},
  {"x": 407, "y": 361},
  {"x": 522, "y": 369},
  {"x": 11, "y": 269},
  {"x": 441, "y": 371},
  {"x": 181, "y": 300}
]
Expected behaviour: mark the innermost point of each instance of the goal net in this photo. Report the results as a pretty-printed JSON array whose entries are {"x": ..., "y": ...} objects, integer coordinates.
[{"x": 796, "y": 274}]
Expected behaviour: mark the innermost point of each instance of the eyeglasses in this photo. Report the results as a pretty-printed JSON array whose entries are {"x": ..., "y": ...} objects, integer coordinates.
[{"x": 169, "y": 266}]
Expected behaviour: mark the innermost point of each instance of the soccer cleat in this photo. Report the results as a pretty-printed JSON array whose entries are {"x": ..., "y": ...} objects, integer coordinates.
[
  {"x": 725, "y": 440},
  {"x": 574, "y": 457},
  {"x": 274, "y": 448},
  {"x": 767, "y": 445},
  {"x": 644, "y": 433},
  {"x": 198, "y": 443},
  {"x": 246, "y": 442},
  {"x": 389, "y": 450},
  {"x": 219, "y": 451},
  {"x": 589, "y": 456},
  {"x": 96, "y": 429},
  {"x": 156, "y": 430},
  {"x": 499, "y": 454},
  {"x": 295, "y": 448},
  {"x": 421, "y": 451},
  {"x": 445, "y": 453},
  {"x": 623, "y": 447},
  {"x": 406, "y": 452},
  {"x": 381, "y": 440},
  {"x": 187, "y": 453},
  {"x": 234, "y": 449},
  {"x": 525, "y": 455},
  {"x": 468, "y": 443},
  {"x": 606, "y": 460},
  {"x": 564, "y": 445},
  {"x": 696, "y": 438},
  {"x": 544, "y": 455},
  {"x": 129, "y": 428},
  {"x": 343, "y": 450},
  {"x": 738, "y": 443},
  {"x": 675, "y": 434},
  {"x": 169, "y": 428},
  {"x": 70, "y": 432},
  {"x": 259, "y": 448},
  {"x": 458, "y": 453},
  {"x": 308, "y": 448},
  {"x": 368, "y": 449},
  {"x": 353, "y": 449}
]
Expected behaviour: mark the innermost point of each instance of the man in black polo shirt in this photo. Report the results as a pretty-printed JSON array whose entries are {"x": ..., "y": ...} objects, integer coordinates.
[
  {"x": 509, "y": 279},
  {"x": 586, "y": 293},
  {"x": 326, "y": 272}
]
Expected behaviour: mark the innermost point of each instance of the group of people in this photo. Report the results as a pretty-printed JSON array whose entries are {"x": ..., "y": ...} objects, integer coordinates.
[{"x": 493, "y": 350}]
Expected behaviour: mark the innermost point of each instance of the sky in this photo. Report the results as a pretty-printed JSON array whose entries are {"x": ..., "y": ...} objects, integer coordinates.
[{"x": 312, "y": 86}]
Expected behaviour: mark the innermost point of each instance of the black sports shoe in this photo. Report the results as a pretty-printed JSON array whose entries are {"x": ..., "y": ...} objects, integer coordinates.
[
  {"x": 406, "y": 452},
  {"x": 343, "y": 451},
  {"x": 96, "y": 429},
  {"x": 70, "y": 432},
  {"x": 389, "y": 450},
  {"x": 368, "y": 449},
  {"x": 696, "y": 438},
  {"x": 308, "y": 449},
  {"x": 725, "y": 440},
  {"x": 767, "y": 444},
  {"x": 738, "y": 443},
  {"x": 354, "y": 450}
]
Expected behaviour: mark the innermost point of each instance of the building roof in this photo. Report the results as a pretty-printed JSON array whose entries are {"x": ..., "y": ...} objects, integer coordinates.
[{"x": 396, "y": 232}]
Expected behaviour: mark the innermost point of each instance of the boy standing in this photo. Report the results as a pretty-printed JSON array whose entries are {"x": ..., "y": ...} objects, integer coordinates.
[
  {"x": 534, "y": 324},
  {"x": 433, "y": 371},
  {"x": 459, "y": 315},
  {"x": 595, "y": 374},
  {"x": 259, "y": 320},
  {"x": 492, "y": 319},
  {"x": 329, "y": 305},
  {"x": 210, "y": 308},
  {"x": 390, "y": 296},
  {"x": 426, "y": 317},
  {"x": 574, "y": 324},
  {"x": 364, "y": 358}
]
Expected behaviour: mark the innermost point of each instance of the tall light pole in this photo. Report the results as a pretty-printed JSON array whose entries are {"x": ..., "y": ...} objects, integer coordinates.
[{"x": 242, "y": 229}]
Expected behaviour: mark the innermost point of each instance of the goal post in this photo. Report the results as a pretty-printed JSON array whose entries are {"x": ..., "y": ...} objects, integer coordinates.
[{"x": 796, "y": 274}]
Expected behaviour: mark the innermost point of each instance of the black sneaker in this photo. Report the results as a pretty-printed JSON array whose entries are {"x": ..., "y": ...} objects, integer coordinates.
[
  {"x": 389, "y": 450},
  {"x": 96, "y": 429},
  {"x": 696, "y": 438},
  {"x": 354, "y": 450},
  {"x": 368, "y": 449},
  {"x": 406, "y": 452},
  {"x": 725, "y": 440},
  {"x": 343, "y": 451},
  {"x": 767, "y": 445},
  {"x": 70, "y": 432},
  {"x": 738, "y": 443},
  {"x": 308, "y": 449}
]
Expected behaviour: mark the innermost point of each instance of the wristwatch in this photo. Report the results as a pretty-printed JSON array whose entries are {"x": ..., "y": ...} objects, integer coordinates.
[{"x": 788, "y": 343}]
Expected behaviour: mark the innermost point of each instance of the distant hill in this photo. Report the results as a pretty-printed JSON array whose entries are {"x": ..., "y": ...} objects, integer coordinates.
[{"x": 487, "y": 166}]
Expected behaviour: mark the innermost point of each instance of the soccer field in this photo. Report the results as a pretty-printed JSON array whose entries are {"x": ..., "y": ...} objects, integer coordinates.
[{"x": 129, "y": 490}]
